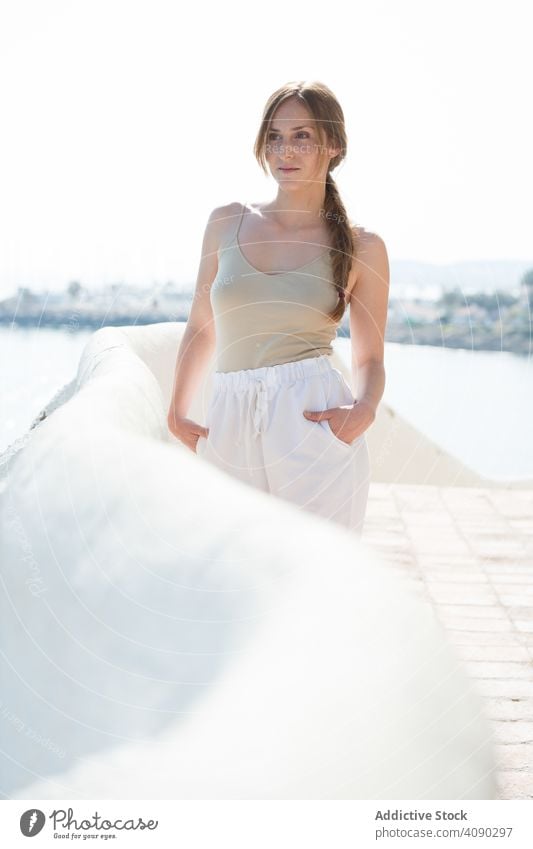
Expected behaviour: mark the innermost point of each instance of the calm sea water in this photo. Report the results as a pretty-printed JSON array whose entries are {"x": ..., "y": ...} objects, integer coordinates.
[
  {"x": 34, "y": 364},
  {"x": 478, "y": 406}
]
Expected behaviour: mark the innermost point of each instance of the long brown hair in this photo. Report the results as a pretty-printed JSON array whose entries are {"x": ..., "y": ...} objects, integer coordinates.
[{"x": 327, "y": 112}]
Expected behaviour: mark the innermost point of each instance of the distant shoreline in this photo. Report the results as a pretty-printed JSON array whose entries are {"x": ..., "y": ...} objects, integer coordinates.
[
  {"x": 478, "y": 321},
  {"x": 436, "y": 335}
]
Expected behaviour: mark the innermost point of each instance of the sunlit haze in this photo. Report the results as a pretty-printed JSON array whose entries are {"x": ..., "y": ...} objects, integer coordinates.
[{"x": 125, "y": 123}]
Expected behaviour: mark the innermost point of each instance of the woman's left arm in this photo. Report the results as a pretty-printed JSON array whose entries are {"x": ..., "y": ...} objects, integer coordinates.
[
  {"x": 368, "y": 299},
  {"x": 368, "y": 304}
]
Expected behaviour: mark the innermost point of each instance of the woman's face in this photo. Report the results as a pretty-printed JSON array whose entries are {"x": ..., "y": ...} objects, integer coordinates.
[{"x": 293, "y": 143}]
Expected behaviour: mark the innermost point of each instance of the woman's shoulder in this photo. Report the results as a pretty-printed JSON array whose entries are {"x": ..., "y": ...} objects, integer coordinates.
[
  {"x": 370, "y": 257},
  {"x": 369, "y": 246},
  {"x": 222, "y": 222},
  {"x": 368, "y": 237},
  {"x": 227, "y": 214}
]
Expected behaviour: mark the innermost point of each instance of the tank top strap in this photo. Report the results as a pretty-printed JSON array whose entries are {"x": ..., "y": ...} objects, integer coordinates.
[
  {"x": 243, "y": 210},
  {"x": 231, "y": 242}
]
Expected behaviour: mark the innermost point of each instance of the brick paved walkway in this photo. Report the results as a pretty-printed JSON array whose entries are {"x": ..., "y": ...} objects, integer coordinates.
[{"x": 469, "y": 552}]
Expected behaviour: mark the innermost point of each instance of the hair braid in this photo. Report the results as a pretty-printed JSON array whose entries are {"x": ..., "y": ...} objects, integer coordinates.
[{"x": 344, "y": 243}]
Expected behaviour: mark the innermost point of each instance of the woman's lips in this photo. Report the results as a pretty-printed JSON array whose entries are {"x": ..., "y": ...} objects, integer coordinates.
[{"x": 289, "y": 169}]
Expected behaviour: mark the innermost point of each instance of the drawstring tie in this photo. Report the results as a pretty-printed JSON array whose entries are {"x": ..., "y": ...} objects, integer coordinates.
[
  {"x": 260, "y": 409},
  {"x": 257, "y": 411}
]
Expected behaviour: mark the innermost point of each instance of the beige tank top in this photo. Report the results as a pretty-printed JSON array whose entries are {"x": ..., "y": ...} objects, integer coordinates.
[{"x": 264, "y": 319}]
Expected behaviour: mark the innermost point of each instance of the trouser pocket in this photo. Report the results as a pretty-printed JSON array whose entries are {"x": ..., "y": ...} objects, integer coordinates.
[{"x": 336, "y": 393}]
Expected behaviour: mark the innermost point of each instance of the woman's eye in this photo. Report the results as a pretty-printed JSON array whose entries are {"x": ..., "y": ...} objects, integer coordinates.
[{"x": 273, "y": 136}]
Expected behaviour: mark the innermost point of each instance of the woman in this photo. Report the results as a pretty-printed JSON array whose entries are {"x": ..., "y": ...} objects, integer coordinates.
[{"x": 281, "y": 417}]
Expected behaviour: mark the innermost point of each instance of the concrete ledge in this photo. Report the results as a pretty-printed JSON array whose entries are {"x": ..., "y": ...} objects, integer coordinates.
[{"x": 167, "y": 632}]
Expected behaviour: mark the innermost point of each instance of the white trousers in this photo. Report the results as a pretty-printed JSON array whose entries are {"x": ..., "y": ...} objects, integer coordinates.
[{"x": 258, "y": 434}]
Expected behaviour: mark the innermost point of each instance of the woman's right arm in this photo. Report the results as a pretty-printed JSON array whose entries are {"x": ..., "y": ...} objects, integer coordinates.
[{"x": 198, "y": 341}]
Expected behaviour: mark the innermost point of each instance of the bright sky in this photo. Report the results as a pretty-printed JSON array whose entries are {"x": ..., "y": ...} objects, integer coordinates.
[{"x": 125, "y": 123}]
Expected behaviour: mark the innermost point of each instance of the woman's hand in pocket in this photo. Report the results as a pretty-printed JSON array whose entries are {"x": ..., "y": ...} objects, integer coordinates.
[
  {"x": 347, "y": 422},
  {"x": 186, "y": 430}
]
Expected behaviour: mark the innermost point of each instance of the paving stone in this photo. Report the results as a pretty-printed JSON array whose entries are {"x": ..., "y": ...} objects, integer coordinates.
[
  {"x": 496, "y": 653},
  {"x": 478, "y": 527},
  {"x": 510, "y": 581},
  {"x": 401, "y": 560},
  {"x": 525, "y": 625},
  {"x": 515, "y": 733},
  {"x": 419, "y": 498},
  {"x": 484, "y": 638},
  {"x": 453, "y": 575},
  {"x": 386, "y": 520},
  {"x": 471, "y": 611},
  {"x": 481, "y": 625},
  {"x": 489, "y": 549},
  {"x": 425, "y": 540},
  {"x": 462, "y": 595},
  {"x": 522, "y": 614},
  {"x": 467, "y": 553},
  {"x": 514, "y": 756},
  {"x": 475, "y": 505},
  {"x": 463, "y": 561},
  {"x": 383, "y": 540},
  {"x": 524, "y": 525},
  {"x": 499, "y": 669},
  {"x": 518, "y": 600},
  {"x": 509, "y": 710},
  {"x": 515, "y": 785},
  {"x": 384, "y": 517},
  {"x": 512, "y": 688},
  {"x": 502, "y": 588},
  {"x": 511, "y": 503},
  {"x": 522, "y": 567},
  {"x": 428, "y": 518}
]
